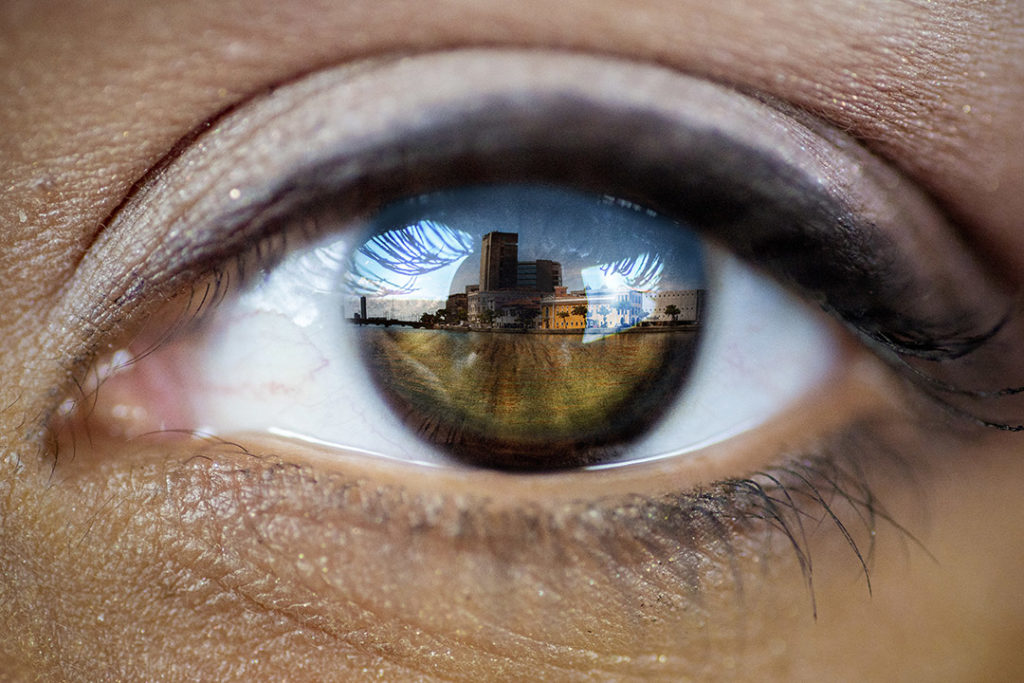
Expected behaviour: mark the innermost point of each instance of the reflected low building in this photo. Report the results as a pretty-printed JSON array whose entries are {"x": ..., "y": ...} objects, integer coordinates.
[
  {"x": 687, "y": 303},
  {"x": 457, "y": 306},
  {"x": 564, "y": 310},
  {"x": 585, "y": 309},
  {"x": 503, "y": 308},
  {"x": 582, "y": 309}
]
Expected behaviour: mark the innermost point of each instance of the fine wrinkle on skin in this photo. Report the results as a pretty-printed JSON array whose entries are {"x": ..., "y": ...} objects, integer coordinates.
[
  {"x": 203, "y": 510},
  {"x": 201, "y": 577},
  {"x": 923, "y": 91},
  {"x": 193, "y": 570}
]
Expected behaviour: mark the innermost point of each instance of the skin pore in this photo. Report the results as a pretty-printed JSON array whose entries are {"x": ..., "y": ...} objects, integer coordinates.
[{"x": 184, "y": 560}]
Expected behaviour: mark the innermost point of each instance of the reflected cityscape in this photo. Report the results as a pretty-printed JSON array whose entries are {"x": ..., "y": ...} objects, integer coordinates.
[{"x": 511, "y": 294}]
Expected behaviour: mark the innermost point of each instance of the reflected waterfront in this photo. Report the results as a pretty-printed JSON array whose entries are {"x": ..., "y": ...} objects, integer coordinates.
[
  {"x": 525, "y": 257},
  {"x": 527, "y": 400}
]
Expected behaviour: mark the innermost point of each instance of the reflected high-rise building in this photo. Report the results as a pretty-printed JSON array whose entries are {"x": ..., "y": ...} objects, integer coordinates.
[
  {"x": 499, "y": 258},
  {"x": 510, "y": 290},
  {"x": 541, "y": 275}
]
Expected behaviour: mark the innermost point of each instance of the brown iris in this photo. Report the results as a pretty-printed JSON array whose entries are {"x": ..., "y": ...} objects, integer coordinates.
[
  {"x": 550, "y": 346},
  {"x": 528, "y": 400}
]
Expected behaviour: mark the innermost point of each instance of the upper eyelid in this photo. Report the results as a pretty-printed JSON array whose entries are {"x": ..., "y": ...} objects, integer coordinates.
[{"x": 191, "y": 221}]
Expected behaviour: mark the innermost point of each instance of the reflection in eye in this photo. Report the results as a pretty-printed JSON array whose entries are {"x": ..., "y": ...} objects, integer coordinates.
[
  {"x": 519, "y": 327},
  {"x": 550, "y": 345}
]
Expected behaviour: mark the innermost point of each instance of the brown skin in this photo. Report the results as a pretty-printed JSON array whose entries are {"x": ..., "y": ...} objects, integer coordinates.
[{"x": 140, "y": 562}]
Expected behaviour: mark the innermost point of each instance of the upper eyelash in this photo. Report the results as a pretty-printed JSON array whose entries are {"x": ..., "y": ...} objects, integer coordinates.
[{"x": 756, "y": 249}]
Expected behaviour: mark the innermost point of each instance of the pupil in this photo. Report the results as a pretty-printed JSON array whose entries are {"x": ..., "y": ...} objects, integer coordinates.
[{"x": 526, "y": 327}]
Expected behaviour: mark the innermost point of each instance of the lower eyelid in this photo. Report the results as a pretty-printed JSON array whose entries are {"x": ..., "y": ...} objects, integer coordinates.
[
  {"x": 699, "y": 548},
  {"x": 369, "y": 562}
]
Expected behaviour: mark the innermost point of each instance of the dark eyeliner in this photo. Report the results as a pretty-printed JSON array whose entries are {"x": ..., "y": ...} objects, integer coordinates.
[{"x": 780, "y": 189}]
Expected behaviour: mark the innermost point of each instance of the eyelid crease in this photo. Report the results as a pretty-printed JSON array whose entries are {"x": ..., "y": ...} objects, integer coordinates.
[{"x": 811, "y": 205}]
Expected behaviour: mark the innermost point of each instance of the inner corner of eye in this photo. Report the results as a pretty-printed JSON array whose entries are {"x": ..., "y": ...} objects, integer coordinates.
[{"x": 515, "y": 327}]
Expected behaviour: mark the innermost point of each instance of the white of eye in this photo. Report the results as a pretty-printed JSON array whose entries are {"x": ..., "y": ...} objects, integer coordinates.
[
  {"x": 762, "y": 350},
  {"x": 280, "y": 358}
]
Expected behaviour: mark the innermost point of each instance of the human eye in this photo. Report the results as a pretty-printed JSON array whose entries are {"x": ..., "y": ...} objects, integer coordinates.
[
  {"x": 426, "y": 335},
  {"x": 793, "y": 198}
]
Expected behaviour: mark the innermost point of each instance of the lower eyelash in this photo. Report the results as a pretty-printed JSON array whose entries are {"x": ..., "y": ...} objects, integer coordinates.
[
  {"x": 686, "y": 530},
  {"x": 690, "y": 540}
]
